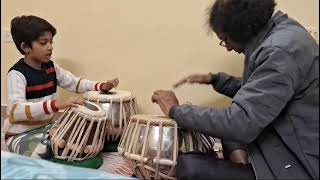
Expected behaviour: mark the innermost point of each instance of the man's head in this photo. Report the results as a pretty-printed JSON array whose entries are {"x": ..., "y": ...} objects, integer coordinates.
[
  {"x": 237, "y": 21},
  {"x": 33, "y": 36}
]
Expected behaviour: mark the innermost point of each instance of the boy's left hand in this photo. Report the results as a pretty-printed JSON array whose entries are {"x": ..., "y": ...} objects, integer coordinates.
[{"x": 110, "y": 84}]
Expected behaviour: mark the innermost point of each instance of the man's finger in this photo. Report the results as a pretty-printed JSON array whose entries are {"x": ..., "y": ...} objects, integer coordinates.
[
  {"x": 157, "y": 92},
  {"x": 154, "y": 98},
  {"x": 160, "y": 92},
  {"x": 191, "y": 81},
  {"x": 179, "y": 83}
]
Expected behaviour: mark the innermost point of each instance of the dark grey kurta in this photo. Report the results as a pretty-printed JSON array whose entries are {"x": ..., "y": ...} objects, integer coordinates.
[{"x": 275, "y": 107}]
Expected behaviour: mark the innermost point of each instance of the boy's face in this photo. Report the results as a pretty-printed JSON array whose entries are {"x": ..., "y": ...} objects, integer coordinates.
[{"x": 42, "y": 48}]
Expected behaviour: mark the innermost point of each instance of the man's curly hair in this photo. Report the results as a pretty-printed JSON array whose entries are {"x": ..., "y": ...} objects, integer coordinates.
[{"x": 240, "y": 20}]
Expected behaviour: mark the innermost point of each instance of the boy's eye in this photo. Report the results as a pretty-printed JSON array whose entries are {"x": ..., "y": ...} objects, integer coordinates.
[{"x": 45, "y": 42}]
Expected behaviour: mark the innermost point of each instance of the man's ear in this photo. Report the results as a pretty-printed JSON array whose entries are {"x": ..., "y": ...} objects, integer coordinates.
[{"x": 25, "y": 48}]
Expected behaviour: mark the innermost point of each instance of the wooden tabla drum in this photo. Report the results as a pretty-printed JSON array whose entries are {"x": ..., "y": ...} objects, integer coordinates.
[
  {"x": 119, "y": 105},
  {"x": 152, "y": 143},
  {"x": 80, "y": 133}
]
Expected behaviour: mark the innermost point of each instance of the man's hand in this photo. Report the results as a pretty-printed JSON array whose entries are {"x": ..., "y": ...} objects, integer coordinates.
[
  {"x": 165, "y": 99},
  {"x": 194, "y": 78},
  {"x": 70, "y": 102},
  {"x": 110, "y": 84},
  {"x": 239, "y": 156}
]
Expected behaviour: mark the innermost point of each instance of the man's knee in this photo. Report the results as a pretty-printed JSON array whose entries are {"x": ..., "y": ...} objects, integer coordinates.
[{"x": 185, "y": 168}]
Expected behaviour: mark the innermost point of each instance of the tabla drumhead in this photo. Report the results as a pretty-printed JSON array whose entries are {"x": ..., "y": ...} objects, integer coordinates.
[{"x": 113, "y": 95}]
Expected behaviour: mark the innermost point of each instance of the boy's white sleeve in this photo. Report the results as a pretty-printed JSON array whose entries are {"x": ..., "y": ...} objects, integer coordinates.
[
  {"x": 18, "y": 107},
  {"x": 72, "y": 83}
]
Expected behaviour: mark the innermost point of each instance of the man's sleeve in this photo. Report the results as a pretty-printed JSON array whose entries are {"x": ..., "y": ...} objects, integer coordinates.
[
  {"x": 266, "y": 93},
  {"x": 226, "y": 84}
]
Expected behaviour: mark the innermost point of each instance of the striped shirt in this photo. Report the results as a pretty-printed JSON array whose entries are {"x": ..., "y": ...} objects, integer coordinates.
[{"x": 32, "y": 93}]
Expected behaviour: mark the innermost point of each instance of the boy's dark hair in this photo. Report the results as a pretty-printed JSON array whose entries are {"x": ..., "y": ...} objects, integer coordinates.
[
  {"x": 29, "y": 28},
  {"x": 240, "y": 20}
]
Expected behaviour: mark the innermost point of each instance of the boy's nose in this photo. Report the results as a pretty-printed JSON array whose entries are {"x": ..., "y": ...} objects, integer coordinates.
[{"x": 50, "y": 47}]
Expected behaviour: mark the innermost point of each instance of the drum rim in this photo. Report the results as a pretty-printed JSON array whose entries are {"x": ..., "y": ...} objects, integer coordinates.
[
  {"x": 100, "y": 114},
  {"x": 153, "y": 119},
  {"x": 86, "y": 96}
]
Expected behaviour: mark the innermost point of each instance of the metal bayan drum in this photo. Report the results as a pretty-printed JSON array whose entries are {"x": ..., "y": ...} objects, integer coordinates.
[
  {"x": 119, "y": 105},
  {"x": 151, "y": 145},
  {"x": 79, "y": 133}
]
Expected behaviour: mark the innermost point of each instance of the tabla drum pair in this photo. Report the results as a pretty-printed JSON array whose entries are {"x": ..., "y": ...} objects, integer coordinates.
[
  {"x": 151, "y": 145},
  {"x": 80, "y": 132},
  {"x": 119, "y": 105}
]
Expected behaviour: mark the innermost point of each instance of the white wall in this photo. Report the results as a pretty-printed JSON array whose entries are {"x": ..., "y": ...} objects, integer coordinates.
[{"x": 147, "y": 44}]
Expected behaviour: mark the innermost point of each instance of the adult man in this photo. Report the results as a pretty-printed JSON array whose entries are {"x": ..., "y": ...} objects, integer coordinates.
[{"x": 275, "y": 107}]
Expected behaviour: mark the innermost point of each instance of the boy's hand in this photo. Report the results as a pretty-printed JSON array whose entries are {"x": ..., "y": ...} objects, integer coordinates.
[
  {"x": 194, "y": 78},
  {"x": 70, "y": 102},
  {"x": 110, "y": 84}
]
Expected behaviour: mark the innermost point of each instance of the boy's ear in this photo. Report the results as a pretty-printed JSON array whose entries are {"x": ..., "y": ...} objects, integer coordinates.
[{"x": 25, "y": 48}]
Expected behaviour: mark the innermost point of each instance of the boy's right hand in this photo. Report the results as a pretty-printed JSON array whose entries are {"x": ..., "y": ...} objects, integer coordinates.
[
  {"x": 110, "y": 84},
  {"x": 70, "y": 102},
  {"x": 194, "y": 78}
]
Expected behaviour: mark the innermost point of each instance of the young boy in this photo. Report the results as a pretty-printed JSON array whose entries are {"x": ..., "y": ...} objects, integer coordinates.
[{"x": 32, "y": 88}]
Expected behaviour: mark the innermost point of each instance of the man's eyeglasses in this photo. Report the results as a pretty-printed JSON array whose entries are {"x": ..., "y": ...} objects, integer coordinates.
[{"x": 223, "y": 43}]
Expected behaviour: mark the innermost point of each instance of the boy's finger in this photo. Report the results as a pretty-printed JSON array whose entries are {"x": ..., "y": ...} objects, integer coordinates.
[
  {"x": 74, "y": 105},
  {"x": 79, "y": 102}
]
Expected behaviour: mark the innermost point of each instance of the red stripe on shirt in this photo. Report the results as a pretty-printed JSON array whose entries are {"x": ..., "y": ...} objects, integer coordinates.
[
  {"x": 40, "y": 87},
  {"x": 50, "y": 70},
  {"x": 45, "y": 107},
  {"x": 8, "y": 135},
  {"x": 53, "y": 106}
]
